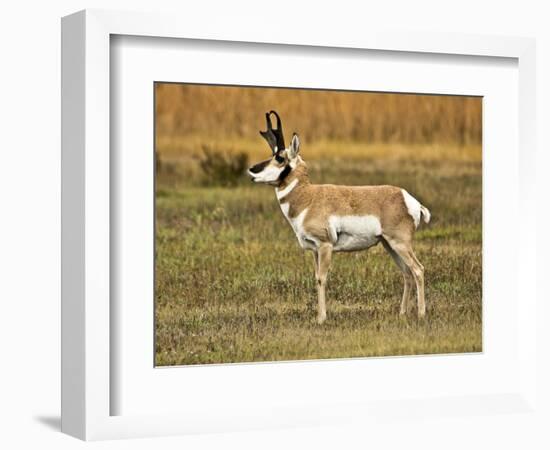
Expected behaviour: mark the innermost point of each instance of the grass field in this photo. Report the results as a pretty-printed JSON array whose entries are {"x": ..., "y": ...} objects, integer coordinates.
[{"x": 233, "y": 285}]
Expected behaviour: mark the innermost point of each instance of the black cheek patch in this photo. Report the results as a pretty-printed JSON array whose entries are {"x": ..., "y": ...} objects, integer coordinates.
[
  {"x": 284, "y": 173},
  {"x": 259, "y": 167}
]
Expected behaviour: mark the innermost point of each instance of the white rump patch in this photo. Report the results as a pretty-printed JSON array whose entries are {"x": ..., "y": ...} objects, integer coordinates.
[
  {"x": 425, "y": 213},
  {"x": 351, "y": 233},
  {"x": 413, "y": 207},
  {"x": 286, "y": 191}
]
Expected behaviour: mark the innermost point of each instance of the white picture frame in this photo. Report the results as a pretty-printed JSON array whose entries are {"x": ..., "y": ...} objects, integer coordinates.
[{"x": 87, "y": 356}]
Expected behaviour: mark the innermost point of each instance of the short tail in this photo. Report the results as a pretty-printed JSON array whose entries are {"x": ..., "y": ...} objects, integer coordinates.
[{"x": 425, "y": 213}]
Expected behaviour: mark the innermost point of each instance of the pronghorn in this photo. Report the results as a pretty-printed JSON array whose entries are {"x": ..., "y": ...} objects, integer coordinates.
[{"x": 327, "y": 218}]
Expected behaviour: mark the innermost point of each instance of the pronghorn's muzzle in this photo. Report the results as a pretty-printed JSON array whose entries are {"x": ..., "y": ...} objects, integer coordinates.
[{"x": 255, "y": 170}]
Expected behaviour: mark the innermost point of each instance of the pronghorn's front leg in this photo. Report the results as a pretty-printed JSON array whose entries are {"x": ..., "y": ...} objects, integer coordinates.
[
  {"x": 316, "y": 262},
  {"x": 324, "y": 255}
]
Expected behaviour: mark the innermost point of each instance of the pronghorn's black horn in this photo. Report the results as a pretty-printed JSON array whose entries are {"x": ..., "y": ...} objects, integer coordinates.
[
  {"x": 279, "y": 131},
  {"x": 269, "y": 136},
  {"x": 273, "y": 137}
]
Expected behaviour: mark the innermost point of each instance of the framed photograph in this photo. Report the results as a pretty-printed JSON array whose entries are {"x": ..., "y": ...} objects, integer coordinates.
[
  {"x": 231, "y": 282},
  {"x": 263, "y": 232}
]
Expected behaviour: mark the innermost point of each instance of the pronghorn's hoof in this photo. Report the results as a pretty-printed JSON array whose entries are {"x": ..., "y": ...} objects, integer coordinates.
[
  {"x": 321, "y": 319},
  {"x": 422, "y": 314}
]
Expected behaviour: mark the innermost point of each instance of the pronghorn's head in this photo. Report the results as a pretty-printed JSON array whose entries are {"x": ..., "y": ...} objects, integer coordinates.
[{"x": 283, "y": 160}]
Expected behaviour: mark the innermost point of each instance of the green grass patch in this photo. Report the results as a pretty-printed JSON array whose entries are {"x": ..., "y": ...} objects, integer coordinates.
[{"x": 232, "y": 284}]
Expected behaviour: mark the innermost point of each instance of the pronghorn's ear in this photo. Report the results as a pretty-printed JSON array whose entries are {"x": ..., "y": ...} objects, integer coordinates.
[{"x": 294, "y": 147}]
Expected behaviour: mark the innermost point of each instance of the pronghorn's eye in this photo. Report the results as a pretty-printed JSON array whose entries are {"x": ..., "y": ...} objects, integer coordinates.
[{"x": 279, "y": 159}]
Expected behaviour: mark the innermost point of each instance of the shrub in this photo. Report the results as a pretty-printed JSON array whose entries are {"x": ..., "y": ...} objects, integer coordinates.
[{"x": 222, "y": 169}]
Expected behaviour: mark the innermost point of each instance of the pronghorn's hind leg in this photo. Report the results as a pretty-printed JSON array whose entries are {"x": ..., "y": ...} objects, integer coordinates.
[
  {"x": 404, "y": 250},
  {"x": 408, "y": 280},
  {"x": 323, "y": 258}
]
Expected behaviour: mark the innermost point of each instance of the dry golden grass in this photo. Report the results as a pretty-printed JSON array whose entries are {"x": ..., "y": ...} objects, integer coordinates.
[
  {"x": 182, "y": 155},
  {"x": 233, "y": 285},
  {"x": 192, "y": 146},
  {"x": 222, "y": 112}
]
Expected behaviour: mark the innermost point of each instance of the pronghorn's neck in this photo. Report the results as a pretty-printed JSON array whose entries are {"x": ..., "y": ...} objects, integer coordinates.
[{"x": 297, "y": 177}]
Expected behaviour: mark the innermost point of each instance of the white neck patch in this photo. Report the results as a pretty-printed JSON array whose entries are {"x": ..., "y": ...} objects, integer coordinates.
[{"x": 286, "y": 191}]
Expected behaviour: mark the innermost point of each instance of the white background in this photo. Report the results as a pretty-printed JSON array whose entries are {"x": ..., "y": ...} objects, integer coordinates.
[{"x": 30, "y": 186}]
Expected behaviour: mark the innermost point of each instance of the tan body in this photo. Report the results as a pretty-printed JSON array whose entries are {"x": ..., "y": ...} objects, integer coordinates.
[
  {"x": 323, "y": 202},
  {"x": 331, "y": 218}
]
